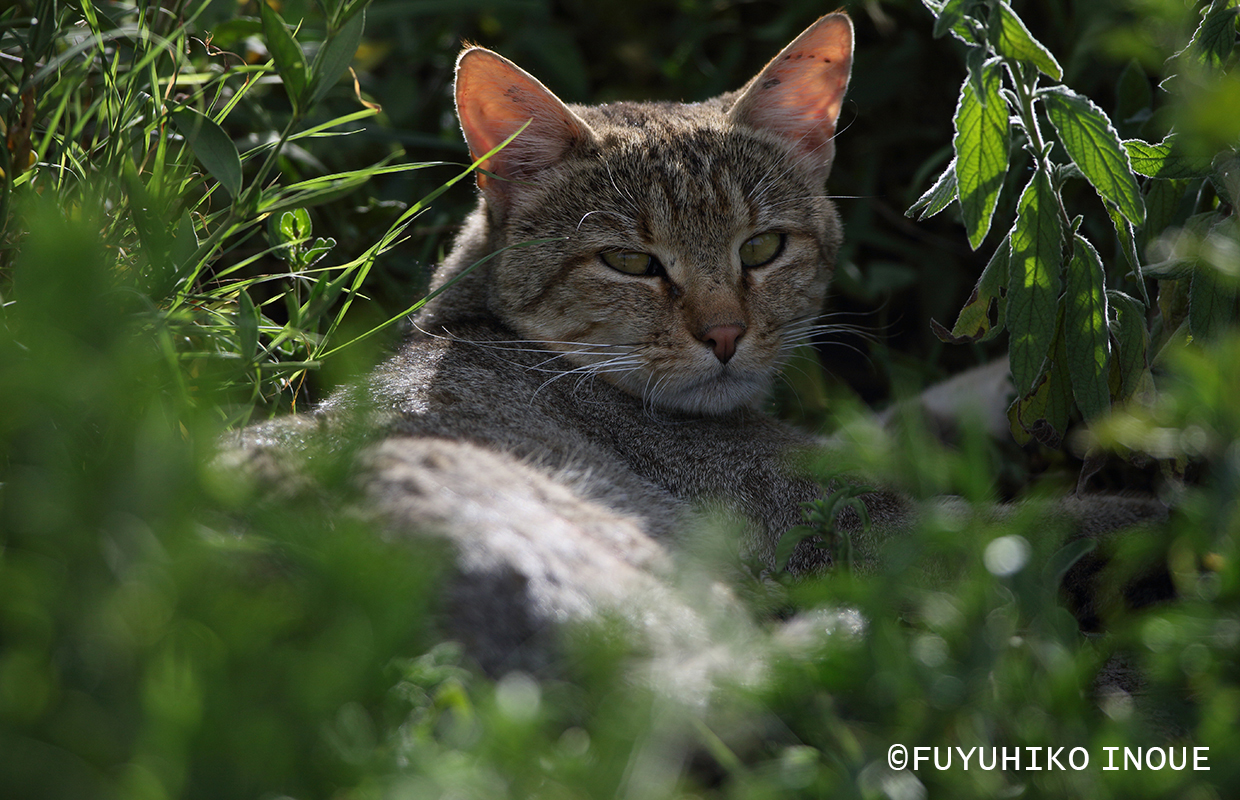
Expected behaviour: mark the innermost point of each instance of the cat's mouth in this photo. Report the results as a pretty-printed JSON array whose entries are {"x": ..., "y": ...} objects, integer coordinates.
[{"x": 719, "y": 392}]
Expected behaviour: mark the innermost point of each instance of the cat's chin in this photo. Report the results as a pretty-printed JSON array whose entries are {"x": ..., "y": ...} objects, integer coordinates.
[{"x": 709, "y": 397}]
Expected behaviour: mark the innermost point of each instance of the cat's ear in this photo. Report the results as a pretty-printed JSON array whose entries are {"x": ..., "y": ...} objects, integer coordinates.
[
  {"x": 799, "y": 94},
  {"x": 494, "y": 98}
]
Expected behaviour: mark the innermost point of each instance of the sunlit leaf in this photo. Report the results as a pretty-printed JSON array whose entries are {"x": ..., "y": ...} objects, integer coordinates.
[
  {"x": 981, "y": 144},
  {"x": 1011, "y": 39},
  {"x": 1033, "y": 280},
  {"x": 1092, "y": 142},
  {"x": 1165, "y": 160},
  {"x": 973, "y": 324},
  {"x": 1215, "y": 37},
  {"x": 937, "y": 197}
]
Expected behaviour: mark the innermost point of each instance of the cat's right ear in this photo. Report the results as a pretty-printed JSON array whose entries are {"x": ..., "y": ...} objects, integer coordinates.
[{"x": 494, "y": 98}]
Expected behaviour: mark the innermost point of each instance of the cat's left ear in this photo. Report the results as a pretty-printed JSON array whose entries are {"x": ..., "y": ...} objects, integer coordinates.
[{"x": 799, "y": 94}]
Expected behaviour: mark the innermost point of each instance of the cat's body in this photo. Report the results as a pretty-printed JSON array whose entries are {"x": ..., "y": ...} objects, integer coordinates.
[{"x": 569, "y": 404}]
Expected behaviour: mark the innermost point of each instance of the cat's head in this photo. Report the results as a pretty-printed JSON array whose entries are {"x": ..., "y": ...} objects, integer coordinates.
[{"x": 680, "y": 250}]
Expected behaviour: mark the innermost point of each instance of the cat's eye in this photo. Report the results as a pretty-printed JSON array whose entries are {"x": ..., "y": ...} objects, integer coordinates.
[
  {"x": 762, "y": 249},
  {"x": 631, "y": 262}
]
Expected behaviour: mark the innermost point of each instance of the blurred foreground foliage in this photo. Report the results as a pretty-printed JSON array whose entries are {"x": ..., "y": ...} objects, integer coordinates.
[{"x": 188, "y": 235}]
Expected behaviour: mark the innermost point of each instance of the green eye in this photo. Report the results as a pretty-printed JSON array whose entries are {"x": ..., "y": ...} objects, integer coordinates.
[
  {"x": 762, "y": 249},
  {"x": 631, "y": 262}
]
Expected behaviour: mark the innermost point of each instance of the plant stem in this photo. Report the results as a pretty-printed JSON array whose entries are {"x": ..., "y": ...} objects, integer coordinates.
[{"x": 1029, "y": 121}]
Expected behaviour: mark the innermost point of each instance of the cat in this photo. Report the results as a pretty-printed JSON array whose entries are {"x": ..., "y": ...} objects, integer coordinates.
[{"x": 587, "y": 379}]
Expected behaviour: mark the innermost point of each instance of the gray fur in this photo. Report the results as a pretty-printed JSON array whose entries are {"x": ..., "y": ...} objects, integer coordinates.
[{"x": 563, "y": 424}]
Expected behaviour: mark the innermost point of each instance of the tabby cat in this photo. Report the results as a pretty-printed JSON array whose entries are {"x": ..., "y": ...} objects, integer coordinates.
[{"x": 610, "y": 318}]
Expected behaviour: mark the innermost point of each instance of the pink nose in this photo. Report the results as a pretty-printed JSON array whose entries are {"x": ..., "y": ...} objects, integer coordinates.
[{"x": 722, "y": 339}]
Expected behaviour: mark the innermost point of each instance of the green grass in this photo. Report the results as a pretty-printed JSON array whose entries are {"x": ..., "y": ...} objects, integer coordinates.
[{"x": 187, "y": 246}]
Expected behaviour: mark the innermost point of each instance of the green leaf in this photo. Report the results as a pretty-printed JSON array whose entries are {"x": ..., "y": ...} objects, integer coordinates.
[
  {"x": 289, "y": 58},
  {"x": 247, "y": 326},
  {"x": 1163, "y": 202},
  {"x": 1211, "y": 303},
  {"x": 1213, "y": 292},
  {"x": 937, "y": 197},
  {"x": 316, "y": 251},
  {"x": 1165, "y": 160},
  {"x": 973, "y": 323},
  {"x": 981, "y": 144},
  {"x": 952, "y": 16},
  {"x": 1130, "y": 356},
  {"x": 1011, "y": 39},
  {"x": 1043, "y": 413},
  {"x": 949, "y": 15},
  {"x": 1128, "y": 243},
  {"x": 184, "y": 242},
  {"x": 1092, "y": 142},
  {"x": 1087, "y": 340},
  {"x": 1134, "y": 99},
  {"x": 1215, "y": 37},
  {"x": 296, "y": 225},
  {"x": 1033, "y": 280},
  {"x": 212, "y": 146},
  {"x": 335, "y": 56}
]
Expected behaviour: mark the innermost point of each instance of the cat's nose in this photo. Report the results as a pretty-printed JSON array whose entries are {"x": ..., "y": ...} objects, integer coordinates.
[{"x": 722, "y": 339}]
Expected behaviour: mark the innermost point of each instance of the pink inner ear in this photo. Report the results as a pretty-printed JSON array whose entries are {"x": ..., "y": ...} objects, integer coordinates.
[
  {"x": 494, "y": 98},
  {"x": 799, "y": 94}
]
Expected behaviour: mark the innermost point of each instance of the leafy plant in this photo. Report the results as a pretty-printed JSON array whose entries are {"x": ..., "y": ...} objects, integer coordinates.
[
  {"x": 1077, "y": 342},
  {"x": 125, "y": 109}
]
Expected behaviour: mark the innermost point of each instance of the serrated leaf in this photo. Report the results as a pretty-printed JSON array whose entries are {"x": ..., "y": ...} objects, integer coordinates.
[
  {"x": 973, "y": 323},
  {"x": 1087, "y": 339},
  {"x": 1093, "y": 143},
  {"x": 1130, "y": 354},
  {"x": 335, "y": 56},
  {"x": 981, "y": 144},
  {"x": 289, "y": 58},
  {"x": 1033, "y": 280},
  {"x": 211, "y": 145},
  {"x": 1215, "y": 37},
  {"x": 1165, "y": 160},
  {"x": 937, "y": 197},
  {"x": 1011, "y": 39}
]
